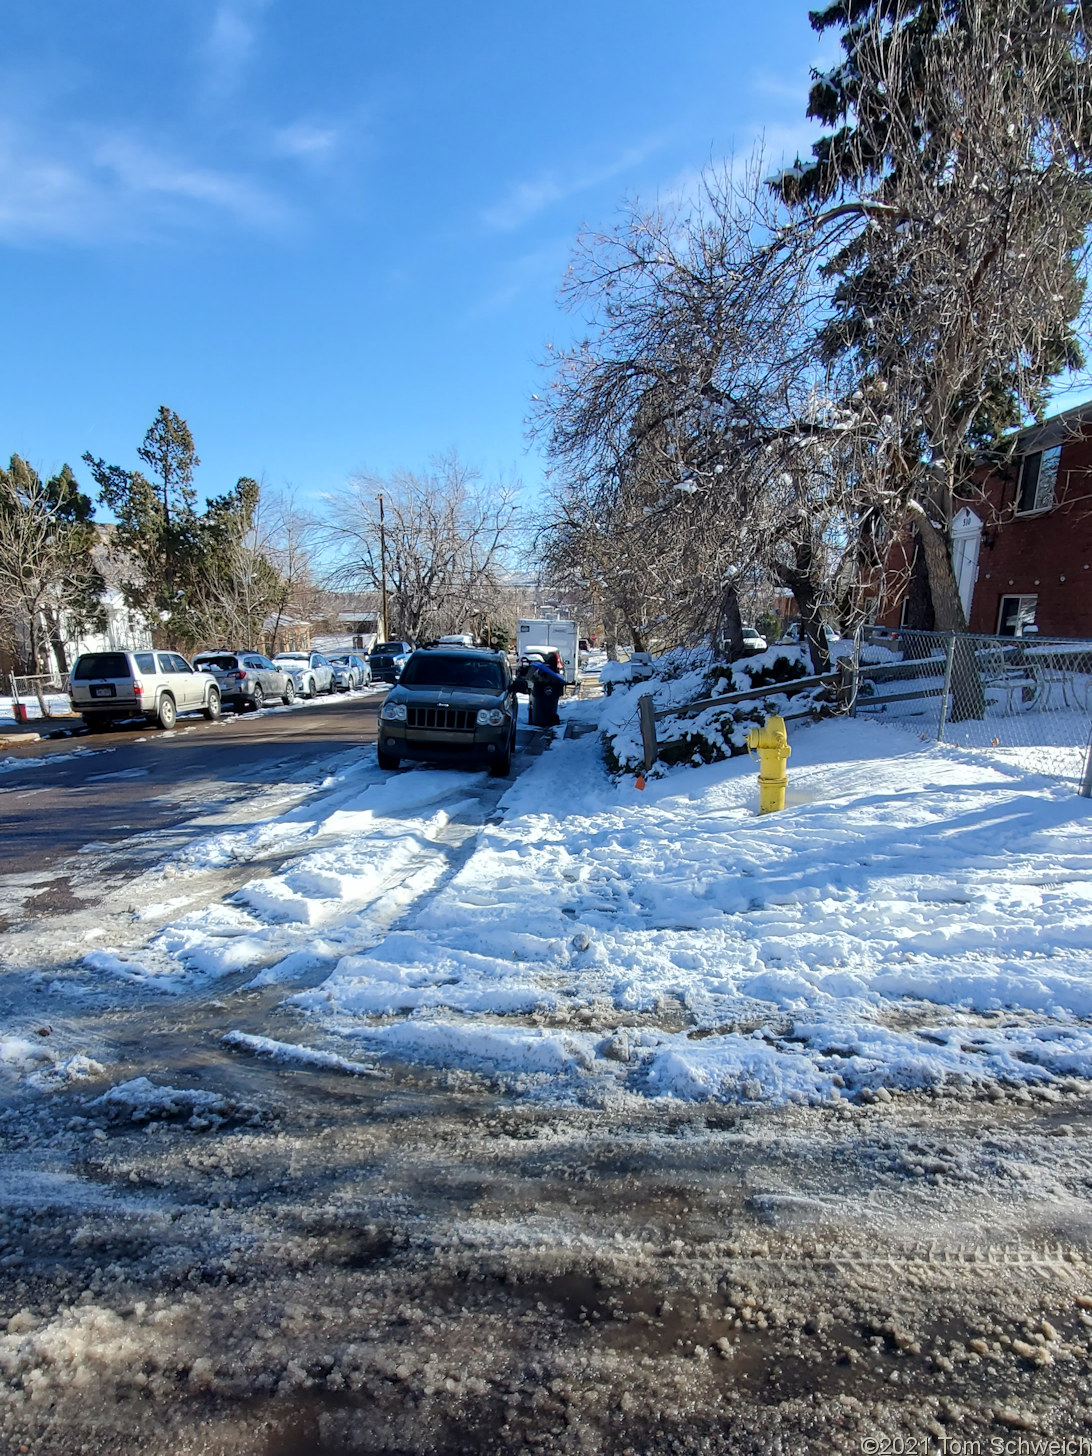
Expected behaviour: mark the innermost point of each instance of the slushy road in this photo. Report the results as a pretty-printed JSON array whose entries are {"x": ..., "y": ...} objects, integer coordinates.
[{"x": 59, "y": 796}]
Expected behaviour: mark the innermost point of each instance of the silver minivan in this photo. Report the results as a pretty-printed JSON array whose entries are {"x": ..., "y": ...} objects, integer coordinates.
[{"x": 106, "y": 686}]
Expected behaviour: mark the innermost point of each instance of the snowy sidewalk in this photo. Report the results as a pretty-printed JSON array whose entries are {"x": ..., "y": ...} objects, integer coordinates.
[{"x": 915, "y": 915}]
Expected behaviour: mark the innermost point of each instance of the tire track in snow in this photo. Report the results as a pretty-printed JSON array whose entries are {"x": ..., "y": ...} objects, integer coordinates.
[{"x": 377, "y": 851}]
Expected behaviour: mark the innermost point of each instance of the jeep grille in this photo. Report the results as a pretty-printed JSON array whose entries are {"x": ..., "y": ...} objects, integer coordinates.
[{"x": 455, "y": 720}]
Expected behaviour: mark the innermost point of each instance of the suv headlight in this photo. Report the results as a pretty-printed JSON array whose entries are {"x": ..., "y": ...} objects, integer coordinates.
[
  {"x": 394, "y": 712},
  {"x": 491, "y": 717}
]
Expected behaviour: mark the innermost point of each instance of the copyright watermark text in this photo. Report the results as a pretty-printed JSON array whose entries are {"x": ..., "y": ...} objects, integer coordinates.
[{"x": 976, "y": 1446}]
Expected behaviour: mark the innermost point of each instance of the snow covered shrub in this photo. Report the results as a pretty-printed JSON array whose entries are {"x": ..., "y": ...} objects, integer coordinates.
[
  {"x": 685, "y": 675},
  {"x": 777, "y": 665}
]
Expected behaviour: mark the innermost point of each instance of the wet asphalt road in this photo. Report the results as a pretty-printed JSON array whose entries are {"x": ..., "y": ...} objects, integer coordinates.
[{"x": 59, "y": 795}]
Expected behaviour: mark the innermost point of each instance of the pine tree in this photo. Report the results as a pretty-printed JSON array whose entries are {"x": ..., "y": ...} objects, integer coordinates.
[
  {"x": 169, "y": 453},
  {"x": 193, "y": 574},
  {"x": 951, "y": 197}
]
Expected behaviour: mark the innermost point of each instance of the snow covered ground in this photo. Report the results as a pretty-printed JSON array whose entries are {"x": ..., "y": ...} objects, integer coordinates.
[
  {"x": 918, "y": 916},
  {"x": 58, "y": 705},
  {"x": 421, "y": 1112}
]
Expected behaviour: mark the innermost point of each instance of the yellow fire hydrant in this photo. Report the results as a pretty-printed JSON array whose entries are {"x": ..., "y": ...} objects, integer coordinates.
[{"x": 772, "y": 743}]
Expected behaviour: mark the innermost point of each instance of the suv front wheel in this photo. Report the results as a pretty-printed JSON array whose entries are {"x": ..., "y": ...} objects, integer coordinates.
[
  {"x": 500, "y": 768},
  {"x": 212, "y": 707},
  {"x": 167, "y": 715}
]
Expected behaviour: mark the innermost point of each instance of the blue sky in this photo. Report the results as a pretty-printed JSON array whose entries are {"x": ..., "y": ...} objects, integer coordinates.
[{"x": 330, "y": 234}]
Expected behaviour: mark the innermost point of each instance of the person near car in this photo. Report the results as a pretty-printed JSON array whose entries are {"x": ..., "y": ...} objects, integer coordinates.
[{"x": 543, "y": 686}]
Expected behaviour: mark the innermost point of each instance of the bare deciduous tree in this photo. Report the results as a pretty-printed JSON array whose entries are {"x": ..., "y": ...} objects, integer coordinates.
[
  {"x": 684, "y": 430},
  {"x": 48, "y": 579},
  {"x": 283, "y": 534},
  {"x": 449, "y": 536}
]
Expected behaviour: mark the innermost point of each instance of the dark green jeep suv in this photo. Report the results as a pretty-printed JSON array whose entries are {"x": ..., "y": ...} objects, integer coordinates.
[{"x": 451, "y": 705}]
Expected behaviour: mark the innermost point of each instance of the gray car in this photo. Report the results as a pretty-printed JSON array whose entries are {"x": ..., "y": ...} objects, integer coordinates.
[
  {"x": 356, "y": 666},
  {"x": 108, "y": 686},
  {"x": 247, "y": 679},
  {"x": 451, "y": 705},
  {"x": 310, "y": 671}
]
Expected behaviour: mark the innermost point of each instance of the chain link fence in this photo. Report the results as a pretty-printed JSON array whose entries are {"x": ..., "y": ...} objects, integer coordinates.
[
  {"x": 39, "y": 695},
  {"x": 1022, "y": 700}
]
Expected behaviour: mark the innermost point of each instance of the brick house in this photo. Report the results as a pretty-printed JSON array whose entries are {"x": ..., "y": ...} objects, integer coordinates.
[{"x": 1022, "y": 551}]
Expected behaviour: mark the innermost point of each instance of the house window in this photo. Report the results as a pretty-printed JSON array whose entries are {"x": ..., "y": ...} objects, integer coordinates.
[
  {"x": 1017, "y": 616},
  {"x": 1038, "y": 478}
]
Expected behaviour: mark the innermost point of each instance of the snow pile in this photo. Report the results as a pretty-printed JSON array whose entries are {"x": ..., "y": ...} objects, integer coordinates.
[
  {"x": 916, "y": 917},
  {"x": 38, "y": 1063},
  {"x": 140, "y": 1100},
  {"x": 303, "y": 1056}
]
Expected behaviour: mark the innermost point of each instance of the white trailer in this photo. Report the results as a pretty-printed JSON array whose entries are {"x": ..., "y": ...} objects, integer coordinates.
[{"x": 561, "y": 636}]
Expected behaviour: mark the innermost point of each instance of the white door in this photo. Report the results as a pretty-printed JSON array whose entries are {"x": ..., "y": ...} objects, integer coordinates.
[{"x": 966, "y": 541}]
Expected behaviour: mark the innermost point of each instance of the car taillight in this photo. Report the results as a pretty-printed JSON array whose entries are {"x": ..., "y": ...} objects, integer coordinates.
[
  {"x": 239, "y": 676},
  {"x": 138, "y": 687}
]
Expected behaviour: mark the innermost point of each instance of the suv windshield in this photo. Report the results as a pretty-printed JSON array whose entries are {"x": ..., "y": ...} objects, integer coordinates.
[
  {"x": 102, "y": 664},
  {"x": 395, "y": 647},
  {"x": 443, "y": 671},
  {"x": 225, "y": 664}
]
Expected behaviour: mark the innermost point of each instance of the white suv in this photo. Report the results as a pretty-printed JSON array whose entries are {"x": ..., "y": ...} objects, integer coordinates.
[{"x": 105, "y": 686}]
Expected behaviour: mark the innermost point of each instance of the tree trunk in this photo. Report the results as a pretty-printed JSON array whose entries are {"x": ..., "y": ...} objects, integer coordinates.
[
  {"x": 798, "y": 579},
  {"x": 948, "y": 614},
  {"x": 56, "y": 642},
  {"x": 919, "y": 600},
  {"x": 637, "y": 637},
  {"x": 728, "y": 630},
  {"x": 968, "y": 692}
]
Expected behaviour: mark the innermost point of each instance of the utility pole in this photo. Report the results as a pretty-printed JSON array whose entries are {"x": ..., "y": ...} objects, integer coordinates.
[{"x": 383, "y": 567}]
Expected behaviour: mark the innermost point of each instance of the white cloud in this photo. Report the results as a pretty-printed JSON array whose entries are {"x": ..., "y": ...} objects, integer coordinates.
[
  {"x": 82, "y": 188},
  {"x": 305, "y": 140},
  {"x": 40, "y": 195},
  {"x": 539, "y": 270},
  {"x": 146, "y": 174},
  {"x": 229, "y": 43},
  {"x": 526, "y": 200}
]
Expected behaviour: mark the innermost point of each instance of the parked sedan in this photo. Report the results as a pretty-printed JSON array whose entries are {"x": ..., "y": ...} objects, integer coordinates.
[
  {"x": 360, "y": 674},
  {"x": 310, "y": 671},
  {"x": 247, "y": 679}
]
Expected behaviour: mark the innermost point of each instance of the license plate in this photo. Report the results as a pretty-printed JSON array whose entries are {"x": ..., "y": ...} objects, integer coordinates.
[{"x": 107, "y": 692}]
